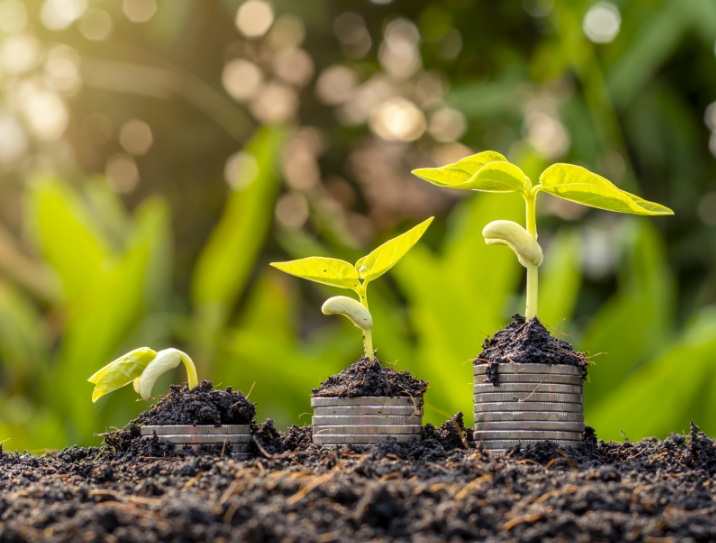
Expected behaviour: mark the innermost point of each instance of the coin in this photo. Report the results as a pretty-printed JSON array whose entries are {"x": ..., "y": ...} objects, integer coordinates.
[
  {"x": 377, "y": 429},
  {"x": 528, "y": 397},
  {"x": 528, "y": 387},
  {"x": 530, "y": 425},
  {"x": 526, "y": 434},
  {"x": 361, "y": 439},
  {"x": 536, "y": 378},
  {"x": 195, "y": 430},
  {"x": 365, "y": 420},
  {"x": 559, "y": 369},
  {"x": 327, "y": 401},
  {"x": 368, "y": 410},
  {"x": 206, "y": 439},
  {"x": 528, "y": 416},
  {"x": 528, "y": 406},
  {"x": 509, "y": 443}
]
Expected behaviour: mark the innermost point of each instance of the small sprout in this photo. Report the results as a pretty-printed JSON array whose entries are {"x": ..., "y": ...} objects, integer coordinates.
[
  {"x": 349, "y": 308},
  {"x": 342, "y": 274},
  {"x": 491, "y": 172},
  {"x": 509, "y": 233},
  {"x": 141, "y": 367}
]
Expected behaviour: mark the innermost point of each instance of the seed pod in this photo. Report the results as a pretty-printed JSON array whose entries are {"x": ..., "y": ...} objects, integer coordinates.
[
  {"x": 509, "y": 233},
  {"x": 348, "y": 307}
]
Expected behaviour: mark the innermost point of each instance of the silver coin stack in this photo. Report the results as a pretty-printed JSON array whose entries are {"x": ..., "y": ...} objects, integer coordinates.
[
  {"x": 532, "y": 402},
  {"x": 235, "y": 438},
  {"x": 365, "y": 420}
]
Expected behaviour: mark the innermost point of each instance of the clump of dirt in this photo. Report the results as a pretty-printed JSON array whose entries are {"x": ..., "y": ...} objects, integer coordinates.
[
  {"x": 200, "y": 405},
  {"x": 368, "y": 377},
  {"x": 269, "y": 441},
  {"x": 527, "y": 342}
]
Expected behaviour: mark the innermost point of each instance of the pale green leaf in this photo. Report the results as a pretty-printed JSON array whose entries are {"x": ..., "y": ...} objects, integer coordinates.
[
  {"x": 329, "y": 271},
  {"x": 454, "y": 175},
  {"x": 498, "y": 177},
  {"x": 387, "y": 255},
  {"x": 121, "y": 372},
  {"x": 579, "y": 185}
]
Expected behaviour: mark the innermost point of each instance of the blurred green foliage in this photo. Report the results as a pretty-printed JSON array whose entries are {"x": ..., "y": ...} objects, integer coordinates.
[{"x": 91, "y": 268}]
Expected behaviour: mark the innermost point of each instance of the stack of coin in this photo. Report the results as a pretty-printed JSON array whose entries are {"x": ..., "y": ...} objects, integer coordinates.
[
  {"x": 531, "y": 402},
  {"x": 234, "y": 438},
  {"x": 365, "y": 420}
]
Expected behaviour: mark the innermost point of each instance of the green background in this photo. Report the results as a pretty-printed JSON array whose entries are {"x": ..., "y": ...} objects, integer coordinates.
[{"x": 90, "y": 269}]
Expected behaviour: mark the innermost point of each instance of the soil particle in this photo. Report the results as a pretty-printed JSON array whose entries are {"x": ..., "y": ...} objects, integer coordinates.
[
  {"x": 368, "y": 377},
  {"x": 200, "y": 405},
  {"x": 525, "y": 341},
  {"x": 644, "y": 491}
]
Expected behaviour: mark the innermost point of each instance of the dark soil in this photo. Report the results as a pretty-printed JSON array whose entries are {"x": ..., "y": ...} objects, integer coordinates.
[
  {"x": 527, "y": 342},
  {"x": 370, "y": 378},
  {"x": 200, "y": 405},
  {"x": 648, "y": 491}
]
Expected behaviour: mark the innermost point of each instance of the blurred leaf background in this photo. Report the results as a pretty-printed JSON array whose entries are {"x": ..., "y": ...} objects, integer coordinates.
[{"x": 156, "y": 155}]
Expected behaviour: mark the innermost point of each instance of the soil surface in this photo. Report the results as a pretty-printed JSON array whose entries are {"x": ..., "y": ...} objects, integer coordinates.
[
  {"x": 648, "y": 491},
  {"x": 370, "y": 378},
  {"x": 200, "y": 405},
  {"x": 527, "y": 342}
]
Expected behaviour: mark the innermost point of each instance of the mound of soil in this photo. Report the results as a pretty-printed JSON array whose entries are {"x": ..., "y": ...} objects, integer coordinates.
[
  {"x": 527, "y": 342},
  {"x": 200, "y": 405},
  {"x": 646, "y": 491},
  {"x": 370, "y": 378}
]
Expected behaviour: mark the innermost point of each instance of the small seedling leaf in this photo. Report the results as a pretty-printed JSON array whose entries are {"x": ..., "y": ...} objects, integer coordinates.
[
  {"x": 454, "y": 175},
  {"x": 329, "y": 271},
  {"x": 499, "y": 177},
  {"x": 121, "y": 372},
  {"x": 579, "y": 185},
  {"x": 389, "y": 254}
]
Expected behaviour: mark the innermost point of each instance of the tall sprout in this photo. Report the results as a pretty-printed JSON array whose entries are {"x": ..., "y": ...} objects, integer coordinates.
[{"x": 491, "y": 172}]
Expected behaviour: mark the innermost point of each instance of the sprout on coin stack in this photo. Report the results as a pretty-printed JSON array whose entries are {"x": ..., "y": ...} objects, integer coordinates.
[
  {"x": 197, "y": 416},
  {"x": 542, "y": 400},
  {"x": 367, "y": 401}
]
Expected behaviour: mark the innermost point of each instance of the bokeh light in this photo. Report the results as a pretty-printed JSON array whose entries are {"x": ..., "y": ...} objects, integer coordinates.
[
  {"x": 13, "y": 16},
  {"x": 335, "y": 83},
  {"x": 254, "y": 18},
  {"x": 398, "y": 120},
  {"x": 13, "y": 142},
  {"x": 59, "y": 14},
  {"x": 122, "y": 173},
  {"x": 242, "y": 79},
  {"x": 241, "y": 170},
  {"x": 136, "y": 138},
  {"x": 602, "y": 22},
  {"x": 277, "y": 103},
  {"x": 20, "y": 53},
  {"x": 139, "y": 11},
  {"x": 96, "y": 25}
]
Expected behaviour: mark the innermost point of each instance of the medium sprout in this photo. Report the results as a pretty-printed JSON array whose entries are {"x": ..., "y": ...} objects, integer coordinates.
[
  {"x": 142, "y": 367},
  {"x": 491, "y": 172},
  {"x": 342, "y": 274}
]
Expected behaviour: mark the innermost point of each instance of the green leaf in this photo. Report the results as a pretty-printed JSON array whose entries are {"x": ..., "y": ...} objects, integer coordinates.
[
  {"x": 389, "y": 254},
  {"x": 121, "y": 372},
  {"x": 498, "y": 177},
  {"x": 579, "y": 185},
  {"x": 329, "y": 271},
  {"x": 454, "y": 175}
]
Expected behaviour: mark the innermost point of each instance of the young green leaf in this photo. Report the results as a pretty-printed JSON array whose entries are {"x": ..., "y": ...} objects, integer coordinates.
[
  {"x": 166, "y": 360},
  {"x": 329, "y": 271},
  {"x": 387, "y": 255},
  {"x": 498, "y": 177},
  {"x": 121, "y": 372},
  {"x": 454, "y": 175},
  {"x": 584, "y": 187}
]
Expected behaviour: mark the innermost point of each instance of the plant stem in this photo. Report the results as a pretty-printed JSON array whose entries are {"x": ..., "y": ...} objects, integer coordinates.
[
  {"x": 532, "y": 271},
  {"x": 367, "y": 334},
  {"x": 190, "y": 370},
  {"x": 368, "y": 343}
]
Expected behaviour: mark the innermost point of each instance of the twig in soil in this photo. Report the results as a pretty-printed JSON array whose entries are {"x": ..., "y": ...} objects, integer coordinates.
[
  {"x": 556, "y": 329},
  {"x": 563, "y": 454},
  {"x": 521, "y": 520},
  {"x": 191, "y": 481},
  {"x": 303, "y": 492},
  {"x": 566, "y": 489},
  {"x": 459, "y": 433},
  {"x": 529, "y": 461},
  {"x": 473, "y": 484}
]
